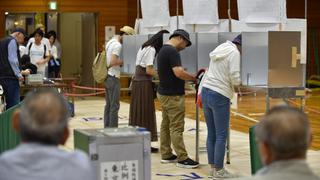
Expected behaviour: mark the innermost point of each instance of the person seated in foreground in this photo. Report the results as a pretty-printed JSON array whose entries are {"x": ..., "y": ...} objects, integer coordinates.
[
  {"x": 283, "y": 137},
  {"x": 42, "y": 123}
]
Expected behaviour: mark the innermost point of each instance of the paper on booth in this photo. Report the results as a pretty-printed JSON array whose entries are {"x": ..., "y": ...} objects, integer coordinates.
[
  {"x": 155, "y": 13},
  {"x": 200, "y": 11},
  {"x": 262, "y": 11}
]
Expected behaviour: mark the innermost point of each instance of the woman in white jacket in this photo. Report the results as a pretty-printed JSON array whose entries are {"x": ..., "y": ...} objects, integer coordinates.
[{"x": 217, "y": 90}]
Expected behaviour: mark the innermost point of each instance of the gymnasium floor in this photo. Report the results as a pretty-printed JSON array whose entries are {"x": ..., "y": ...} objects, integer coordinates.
[{"x": 240, "y": 155}]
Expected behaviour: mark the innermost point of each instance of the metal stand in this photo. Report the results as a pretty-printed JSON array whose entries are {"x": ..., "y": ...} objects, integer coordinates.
[
  {"x": 197, "y": 133},
  {"x": 204, "y": 149},
  {"x": 228, "y": 146},
  {"x": 285, "y": 93}
]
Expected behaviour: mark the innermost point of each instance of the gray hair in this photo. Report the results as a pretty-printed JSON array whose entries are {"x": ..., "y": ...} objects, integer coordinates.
[
  {"x": 286, "y": 131},
  {"x": 44, "y": 116}
]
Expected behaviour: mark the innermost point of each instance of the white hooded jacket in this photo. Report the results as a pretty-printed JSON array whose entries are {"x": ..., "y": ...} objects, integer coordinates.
[{"x": 224, "y": 70}]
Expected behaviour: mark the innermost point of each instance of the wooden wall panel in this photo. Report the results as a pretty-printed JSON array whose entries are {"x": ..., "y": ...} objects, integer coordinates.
[
  {"x": 109, "y": 12},
  {"x": 313, "y": 13},
  {"x": 132, "y": 12}
]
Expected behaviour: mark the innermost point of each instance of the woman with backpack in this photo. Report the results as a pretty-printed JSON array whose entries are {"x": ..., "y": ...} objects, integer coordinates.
[
  {"x": 142, "y": 110},
  {"x": 38, "y": 52}
]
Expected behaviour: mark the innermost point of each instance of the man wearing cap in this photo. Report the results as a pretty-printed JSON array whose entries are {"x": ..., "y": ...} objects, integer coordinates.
[
  {"x": 172, "y": 77},
  {"x": 112, "y": 82},
  {"x": 10, "y": 73},
  {"x": 217, "y": 90}
]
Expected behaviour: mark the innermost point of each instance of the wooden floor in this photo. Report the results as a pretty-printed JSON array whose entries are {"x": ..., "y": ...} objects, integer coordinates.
[
  {"x": 251, "y": 108},
  {"x": 239, "y": 149}
]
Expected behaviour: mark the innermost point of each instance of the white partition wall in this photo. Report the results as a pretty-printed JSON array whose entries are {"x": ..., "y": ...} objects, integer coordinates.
[
  {"x": 207, "y": 42},
  {"x": 188, "y": 55},
  {"x": 224, "y": 36},
  {"x": 131, "y": 45},
  {"x": 254, "y": 59}
]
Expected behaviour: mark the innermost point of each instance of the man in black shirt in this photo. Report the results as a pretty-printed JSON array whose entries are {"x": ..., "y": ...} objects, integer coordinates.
[{"x": 171, "y": 96}]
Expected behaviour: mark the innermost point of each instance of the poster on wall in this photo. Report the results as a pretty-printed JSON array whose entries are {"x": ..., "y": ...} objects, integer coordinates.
[
  {"x": 200, "y": 11},
  {"x": 262, "y": 11},
  {"x": 155, "y": 13}
]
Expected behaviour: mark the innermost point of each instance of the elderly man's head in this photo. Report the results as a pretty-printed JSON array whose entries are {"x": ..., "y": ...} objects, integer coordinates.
[
  {"x": 283, "y": 134},
  {"x": 43, "y": 118}
]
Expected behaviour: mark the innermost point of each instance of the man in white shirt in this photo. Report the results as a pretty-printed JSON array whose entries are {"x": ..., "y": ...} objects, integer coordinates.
[{"x": 112, "y": 82}]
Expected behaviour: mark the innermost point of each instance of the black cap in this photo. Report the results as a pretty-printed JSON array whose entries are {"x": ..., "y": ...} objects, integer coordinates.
[
  {"x": 238, "y": 40},
  {"x": 183, "y": 33},
  {"x": 20, "y": 30}
]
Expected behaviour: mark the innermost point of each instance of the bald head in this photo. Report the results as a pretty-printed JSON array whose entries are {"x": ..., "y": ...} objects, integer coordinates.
[
  {"x": 286, "y": 132},
  {"x": 44, "y": 117}
]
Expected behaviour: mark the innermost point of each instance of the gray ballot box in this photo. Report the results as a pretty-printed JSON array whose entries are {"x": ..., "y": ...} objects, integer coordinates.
[{"x": 117, "y": 153}]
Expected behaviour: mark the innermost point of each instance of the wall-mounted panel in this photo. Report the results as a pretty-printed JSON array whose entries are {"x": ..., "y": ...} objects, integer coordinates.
[
  {"x": 188, "y": 55},
  {"x": 131, "y": 45},
  {"x": 224, "y": 36},
  {"x": 129, "y": 53},
  {"x": 254, "y": 59},
  {"x": 207, "y": 42}
]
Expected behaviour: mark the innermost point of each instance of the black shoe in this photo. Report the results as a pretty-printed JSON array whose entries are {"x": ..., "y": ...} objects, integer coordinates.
[
  {"x": 154, "y": 150},
  {"x": 171, "y": 159},
  {"x": 188, "y": 163}
]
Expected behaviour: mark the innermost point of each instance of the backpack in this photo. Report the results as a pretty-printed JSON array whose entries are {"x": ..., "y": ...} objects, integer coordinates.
[
  {"x": 99, "y": 67},
  {"x": 44, "y": 47}
]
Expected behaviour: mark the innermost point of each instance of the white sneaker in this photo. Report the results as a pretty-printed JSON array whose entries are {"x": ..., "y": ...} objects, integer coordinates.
[
  {"x": 211, "y": 172},
  {"x": 223, "y": 173}
]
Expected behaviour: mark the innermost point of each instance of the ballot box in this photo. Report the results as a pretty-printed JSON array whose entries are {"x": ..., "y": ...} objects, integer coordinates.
[{"x": 121, "y": 153}]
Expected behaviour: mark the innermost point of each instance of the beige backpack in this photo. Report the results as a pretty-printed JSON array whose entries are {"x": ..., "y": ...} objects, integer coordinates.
[{"x": 100, "y": 68}]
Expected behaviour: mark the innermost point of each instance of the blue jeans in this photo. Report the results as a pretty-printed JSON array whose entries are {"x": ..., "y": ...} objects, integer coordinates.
[
  {"x": 11, "y": 90},
  {"x": 216, "y": 108}
]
